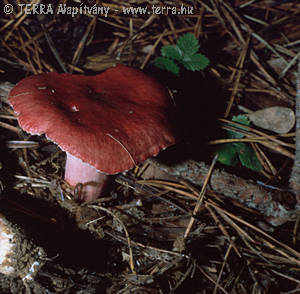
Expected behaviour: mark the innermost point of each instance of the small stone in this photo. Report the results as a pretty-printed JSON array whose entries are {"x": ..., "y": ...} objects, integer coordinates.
[{"x": 277, "y": 119}]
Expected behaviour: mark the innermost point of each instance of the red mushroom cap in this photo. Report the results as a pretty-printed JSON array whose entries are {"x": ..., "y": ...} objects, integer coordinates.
[{"x": 111, "y": 121}]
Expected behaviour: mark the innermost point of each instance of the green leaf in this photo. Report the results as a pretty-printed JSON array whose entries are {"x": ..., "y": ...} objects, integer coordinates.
[
  {"x": 228, "y": 154},
  {"x": 188, "y": 44},
  {"x": 167, "y": 64},
  {"x": 241, "y": 119},
  {"x": 185, "y": 52},
  {"x": 248, "y": 157},
  {"x": 172, "y": 52},
  {"x": 195, "y": 62}
]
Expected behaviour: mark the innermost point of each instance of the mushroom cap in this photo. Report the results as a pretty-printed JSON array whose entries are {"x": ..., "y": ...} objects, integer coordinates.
[{"x": 112, "y": 121}]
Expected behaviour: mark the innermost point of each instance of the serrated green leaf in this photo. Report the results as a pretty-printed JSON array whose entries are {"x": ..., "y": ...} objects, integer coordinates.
[
  {"x": 248, "y": 157},
  {"x": 172, "y": 52},
  {"x": 185, "y": 53},
  {"x": 241, "y": 119},
  {"x": 195, "y": 62},
  {"x": 188, "y": 44},
  {"x": 167, "y": 64},
  {"x": 228, "y": 154}
]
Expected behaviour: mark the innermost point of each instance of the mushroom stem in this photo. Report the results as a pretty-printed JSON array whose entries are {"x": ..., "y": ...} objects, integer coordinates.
[{"x": 79, "y": 172}]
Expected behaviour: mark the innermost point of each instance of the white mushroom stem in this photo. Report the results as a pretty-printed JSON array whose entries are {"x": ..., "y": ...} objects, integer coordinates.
[{"x": 92, "y": 181}]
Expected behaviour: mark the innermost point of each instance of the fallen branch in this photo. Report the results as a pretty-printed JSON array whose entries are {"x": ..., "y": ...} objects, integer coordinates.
[{"x": 245, "y": 191}]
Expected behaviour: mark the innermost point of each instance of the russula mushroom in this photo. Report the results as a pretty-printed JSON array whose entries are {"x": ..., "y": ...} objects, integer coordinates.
[{"x": 106, "y": 123}]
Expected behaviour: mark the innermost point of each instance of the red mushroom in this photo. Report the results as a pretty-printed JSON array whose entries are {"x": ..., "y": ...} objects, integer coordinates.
[{"x": 106, "y": 123}]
